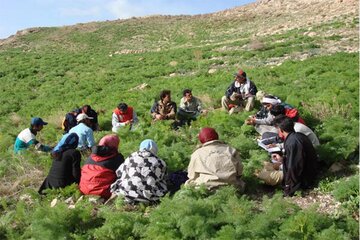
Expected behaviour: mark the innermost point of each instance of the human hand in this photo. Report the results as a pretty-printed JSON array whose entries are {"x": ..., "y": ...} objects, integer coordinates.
[
  {"x": 159, "y": 117},
  {"x": 250, "y": 120},
  {"x": 276, "y": 165},
  {"x": 275, "y": 157}
]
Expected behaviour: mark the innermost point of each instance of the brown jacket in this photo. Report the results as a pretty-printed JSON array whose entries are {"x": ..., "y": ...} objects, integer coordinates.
[{"x": 215, "y": 164}]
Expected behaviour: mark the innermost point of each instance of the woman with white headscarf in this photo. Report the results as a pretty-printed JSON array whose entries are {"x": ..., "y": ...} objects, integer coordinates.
[{"x": 141, "y": 178}]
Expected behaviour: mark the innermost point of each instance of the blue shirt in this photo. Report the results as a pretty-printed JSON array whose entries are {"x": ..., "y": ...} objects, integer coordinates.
[{"x": 86, "y": 135}]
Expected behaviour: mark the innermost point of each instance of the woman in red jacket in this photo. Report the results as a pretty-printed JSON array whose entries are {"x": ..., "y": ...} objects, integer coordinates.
[{"x": 98, "y": 172}]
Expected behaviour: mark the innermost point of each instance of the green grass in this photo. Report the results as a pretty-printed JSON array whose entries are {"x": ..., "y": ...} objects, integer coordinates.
[{"x": 49, "y": 72}]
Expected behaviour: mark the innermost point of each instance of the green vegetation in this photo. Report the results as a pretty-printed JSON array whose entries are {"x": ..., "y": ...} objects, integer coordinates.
[{"x": 50, "y": 71}]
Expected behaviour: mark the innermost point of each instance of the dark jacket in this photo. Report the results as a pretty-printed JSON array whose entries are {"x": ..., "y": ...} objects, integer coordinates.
[
  {"x": 64, "y": 171},
  {"x": 98, "y": 172},
  {"x": 69, "y": 122},
  {"x": 93, "y": 122},
  {"x": 300, "y": 163}
]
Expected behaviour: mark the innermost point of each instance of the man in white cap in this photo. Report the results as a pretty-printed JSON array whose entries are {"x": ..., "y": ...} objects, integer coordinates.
[
  {"x": 83, "y": 130},
  {"x": 263, "y": 120}
]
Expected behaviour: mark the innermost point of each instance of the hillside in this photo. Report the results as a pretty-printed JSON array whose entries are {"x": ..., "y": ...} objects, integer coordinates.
[{"x": 304, "y": 51}]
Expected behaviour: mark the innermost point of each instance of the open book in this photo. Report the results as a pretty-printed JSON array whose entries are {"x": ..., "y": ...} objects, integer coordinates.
[{"x": 269, "y": 149}]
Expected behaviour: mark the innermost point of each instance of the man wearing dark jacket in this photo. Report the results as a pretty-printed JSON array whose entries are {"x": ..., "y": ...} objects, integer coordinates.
[
  {"x": 241, "y": 93},
  {"x": 300, "y": 161}
]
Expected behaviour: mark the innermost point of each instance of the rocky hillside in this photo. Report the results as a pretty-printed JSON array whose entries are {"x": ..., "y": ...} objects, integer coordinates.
[{"x": 255, "y": 21}]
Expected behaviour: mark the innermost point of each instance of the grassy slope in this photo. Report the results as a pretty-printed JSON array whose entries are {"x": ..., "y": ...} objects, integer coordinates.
[{"x": 51, "y": 71}]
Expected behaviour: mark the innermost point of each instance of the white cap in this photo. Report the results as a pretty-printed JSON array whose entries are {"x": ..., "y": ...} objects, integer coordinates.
[{"x": 82, "y": 116}]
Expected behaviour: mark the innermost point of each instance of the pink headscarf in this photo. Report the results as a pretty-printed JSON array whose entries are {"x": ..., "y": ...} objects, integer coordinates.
[{"x": 111, "y": 140}]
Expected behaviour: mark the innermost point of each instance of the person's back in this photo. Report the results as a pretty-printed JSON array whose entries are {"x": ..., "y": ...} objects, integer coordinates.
[
  {"x": 141, "y": 178},
  {"x": 70, "y": 120},
  {"x": 98, "y": 172},
  {"x": 66, "y": 169},
  {"x": 299, "y": 127},
  {"x": 300, "y": 163},
  {"x": 85, "y": 133},
  {"x": 215, "y": 164}
]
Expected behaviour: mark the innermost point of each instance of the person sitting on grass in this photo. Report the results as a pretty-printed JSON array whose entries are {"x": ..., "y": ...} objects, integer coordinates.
[
  {"x": 122, "y": 116},
  {"x": 98, "y": 172},
  {"x": 273, "y": 139},
  {"x": 164, "y": 109},
  {"x": 263, "y": 120},
  {"x": 94, "y": 124},
  {"x": 70, "y": 120},
  {"x": 300, "y": 161},
  {"x": 241, "y": 93},
  {"x": 84, "y": 132},
  {"x": 272, "y": 172},
  {"x": 27, "y": 137},
  {"x": 141, "y": 178},
  {"x": 189, "y": 109},
  {"x": 65, "y": 168},
  {"x": 215, "y": 163}
]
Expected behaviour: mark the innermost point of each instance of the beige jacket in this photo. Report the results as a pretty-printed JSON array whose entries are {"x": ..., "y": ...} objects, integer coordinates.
[{"x": 215, "y": 164}]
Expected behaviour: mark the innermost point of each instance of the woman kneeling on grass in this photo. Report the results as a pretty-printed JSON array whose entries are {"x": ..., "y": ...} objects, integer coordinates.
[
  {"x": 141, "y": 178},
  {"x": 98, "y": 172},
  {"x": 65, "y": 168}
]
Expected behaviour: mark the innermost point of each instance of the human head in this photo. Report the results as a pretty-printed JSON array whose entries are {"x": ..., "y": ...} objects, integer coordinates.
[
  {"x": 269, "y": 101},
  {"x": 165, "y": 96},
  {"x": 111, "y": 141},
  {"x": 68, "y": 141},
  {"x": 240, "y": 76},
  {"x": 37, "y": 123},
  {"x": 277, "y": 110},
  {"x": 122, "y": 107},
  {"x": 83, "y": 118},
  {"x": 208, "y": 134},
  {"x": 76, "y": 111},
  {"x": 187, "y": 92},
  {"x": 86, "y": 109},
  {"x": 284, "y": 124},
  {"x": 149, "y": 145}
]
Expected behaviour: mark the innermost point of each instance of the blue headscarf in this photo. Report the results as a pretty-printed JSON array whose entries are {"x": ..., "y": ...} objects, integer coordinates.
[
  {"x": 68, "y": 141},
  {"x": 149, "y": 145}
]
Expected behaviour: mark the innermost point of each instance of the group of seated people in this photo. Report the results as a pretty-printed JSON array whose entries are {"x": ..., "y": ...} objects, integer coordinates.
[{"x": 142, "y": 176}]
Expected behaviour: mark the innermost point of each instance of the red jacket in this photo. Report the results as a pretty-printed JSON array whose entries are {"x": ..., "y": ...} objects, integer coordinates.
[
  {"x": 294, "y": 114},
  {"x": 98, "y": 172},
  {"x": 123, "y": 117}
]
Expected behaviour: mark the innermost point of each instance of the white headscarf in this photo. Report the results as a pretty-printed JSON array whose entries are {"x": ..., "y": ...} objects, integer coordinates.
[{"x": 149, "y": 145}]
